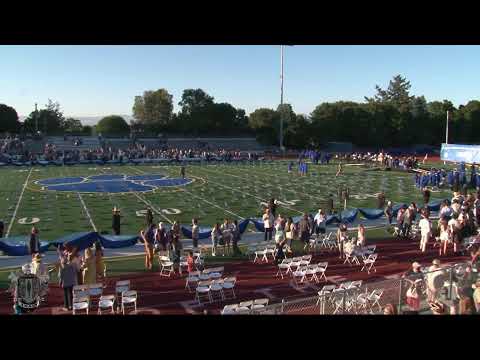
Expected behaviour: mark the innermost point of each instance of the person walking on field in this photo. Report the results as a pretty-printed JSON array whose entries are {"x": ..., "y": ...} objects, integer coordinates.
[
  {"x": 182, "y": 171},
  {"x": 381, "y": 200},
  {"x": 149, "y": 217},
  {"x": 116, "y": 221},
  {"x": 34, "y": 243}
]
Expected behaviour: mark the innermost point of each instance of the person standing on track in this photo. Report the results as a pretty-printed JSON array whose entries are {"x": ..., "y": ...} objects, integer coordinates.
[
  {"x": 426, "y": 231},
  {"x": 148, "y": 240},
  {"x": 34, "y": 243},
  {"x": 381, "y": 200},
  {"x": 304, "y": 227},
  {"x": 195, "y": 233},
  {"x": 182, "y": 171},
  {"x": 268, "y": 220}
]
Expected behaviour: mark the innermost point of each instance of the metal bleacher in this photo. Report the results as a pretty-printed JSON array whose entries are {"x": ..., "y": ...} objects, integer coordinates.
[{"x": 88, "y": 142}]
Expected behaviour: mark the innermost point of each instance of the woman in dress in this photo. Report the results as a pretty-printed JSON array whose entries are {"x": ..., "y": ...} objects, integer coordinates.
[
  {"x": 99, "y": 264},
  {"x": 215, "y": 234},
  {"x": 361, "y": 239},
  {"x": 289, "y": 230},
  {"x": 342, "y": 236},
  {"x": 34, "y": 243},
  {"x": 89, "y": 268},
  {"x": 236, "y": 237},
  {"x": 444, "y": 237}
]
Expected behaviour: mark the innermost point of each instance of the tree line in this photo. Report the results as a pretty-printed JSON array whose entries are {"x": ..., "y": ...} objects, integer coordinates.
[{"x": 392, "y": 117}]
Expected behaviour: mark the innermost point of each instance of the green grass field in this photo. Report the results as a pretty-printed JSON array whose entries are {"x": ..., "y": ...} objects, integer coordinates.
[{"x": 219, "y": 191}]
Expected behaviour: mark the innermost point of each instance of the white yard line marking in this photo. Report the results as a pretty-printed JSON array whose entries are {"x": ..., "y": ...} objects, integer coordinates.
[
  {"x": 87, "y": 212},
  {"x": 317, "y": 198},
  {"x": 148, "y": 203},
  {"x": 18, "y": 204},
  {"x": 251, "y": 195},
  {"x": 214, "y": 205}
]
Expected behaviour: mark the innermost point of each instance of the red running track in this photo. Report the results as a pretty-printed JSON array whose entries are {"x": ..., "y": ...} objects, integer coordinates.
[{"x": 167, "y": 296}]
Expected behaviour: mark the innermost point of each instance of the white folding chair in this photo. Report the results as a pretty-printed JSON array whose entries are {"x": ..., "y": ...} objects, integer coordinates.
[
  {"x": 260, "y": 303},
  {"x": 129, "y": 298},
  {"x": 106, "y": 303},
  {"x": 337, "y": 299},
  {"x": 229, "y": 285},
  {"x": 120, "y": 288},
  {"x": 349, "y": 258},
  {"x": 166, "y": 266},
  {"x": 323, "y": 295},
  {"x": 322, "y": 268},
  {"x": 299, "y": 275},
  {"x": 369, "y": 263},
  {"x": 247, "y": 304},
  {"x": 229, "y": 309},
  {"x": 311, "y": 273},
  {"x": 260, "y": 254},
  {"x": 375, "y": 297},
  {"x": 294, "y": 265},
  {"x": 216, "y": 290},
  {"x": 192, "y": 279},
  {"x": 95, "y": 291},
  {"x": 203, "y": 289},
  {"x": 80, "y": 291},
  {"x": 269, "y": 250},
  {"x": 183, "y": 264},
  {"x": 283, "y": 267},
  {"x": 362, "y": 302},
  {"x": 80, "y": 303},
  {"x": 324, "y": 239}
]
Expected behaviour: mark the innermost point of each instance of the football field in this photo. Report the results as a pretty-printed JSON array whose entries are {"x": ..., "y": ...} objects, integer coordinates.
[{"x": 68, "y": 199}]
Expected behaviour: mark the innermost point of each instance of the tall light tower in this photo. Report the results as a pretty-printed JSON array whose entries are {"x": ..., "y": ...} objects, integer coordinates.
[
  {"x": 36, "y": 119},
  {"x": 281, "y": 96}
]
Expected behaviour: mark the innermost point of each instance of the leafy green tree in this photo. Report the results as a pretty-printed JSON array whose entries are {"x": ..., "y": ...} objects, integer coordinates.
[
  {"x": 153, "y": 109},
  {"x": 9, "y": 119},
  {"x": 197, "y": 108},
  {"x": 265, "y": 122},
  {"x": 50, "y": 120},
  {"x": 73, "y": 125},
  {"x": 113, "y": 125}
]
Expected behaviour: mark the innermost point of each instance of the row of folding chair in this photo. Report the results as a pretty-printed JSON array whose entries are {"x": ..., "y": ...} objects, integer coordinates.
[
  {"x": 207, "y": 274},
  {"x": 347, "y": 298},
  {"x": 245, "y": 306},
  {"x": 354, "y": 257},
  {"x": 310, "y": 273},
  {"x": 264, "y": 252},
  {"x": 289, "y": 265},
  {"x": 86, "y": 297},
  {"x": 213, "y": 290}
]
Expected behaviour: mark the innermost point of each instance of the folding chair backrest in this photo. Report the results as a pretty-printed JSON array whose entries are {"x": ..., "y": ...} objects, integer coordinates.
[
  {"x": 323, "y": 265},
  {"x": 230, "y": 307},
  {"x": 264, "y": 301},
  {"x": 122, "y": 286},
  {"x": 80, "y": 288},
  {"x": 307, "y": 257},
  {"x": 373, "y": 257},
  {"x": 246, "y": 303},
  {"x": 130, "y": 293},
  {"x": 357, "y": 283},
  {"x": 204, "y": 283},
  {"x": 81, "y": 299},
  {"x": 95, "y": 289},
  {"x": 297, "y": 258},
  {"x": 194, "y": 273},
  {"x": 230, "y": 280}
]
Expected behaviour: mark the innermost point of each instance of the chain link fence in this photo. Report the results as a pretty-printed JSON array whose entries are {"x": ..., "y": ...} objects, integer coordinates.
[{"x": 372, "y": 297}]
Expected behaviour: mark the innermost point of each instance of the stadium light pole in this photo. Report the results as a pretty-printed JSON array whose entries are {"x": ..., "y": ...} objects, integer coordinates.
[
  {"x": 281, "y": 97},
  {"x": 446, "y": 129},
  {"x": 282, "y": 47},
  {"x": 36, "y": 119}
]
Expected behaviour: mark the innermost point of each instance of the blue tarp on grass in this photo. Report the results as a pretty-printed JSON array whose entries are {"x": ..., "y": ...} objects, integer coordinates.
[
  {"x": 371, "y": 214},
  {"x": 116, "y": 242},
  {"x": 18, "y": 246}
]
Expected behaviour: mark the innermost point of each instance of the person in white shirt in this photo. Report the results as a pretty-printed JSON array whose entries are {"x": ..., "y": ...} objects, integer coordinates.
[
  {"x": 268, "y": 220},
  {"x": 320, "y": 222},
  {"x": 426, "y": 231}
]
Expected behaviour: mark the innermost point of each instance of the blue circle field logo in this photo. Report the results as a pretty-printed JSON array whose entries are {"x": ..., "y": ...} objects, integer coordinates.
[{"x": 112, "y": 183}]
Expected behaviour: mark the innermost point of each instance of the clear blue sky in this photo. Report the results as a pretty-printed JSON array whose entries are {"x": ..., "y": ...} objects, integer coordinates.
[{"x": 103, "y": 80}]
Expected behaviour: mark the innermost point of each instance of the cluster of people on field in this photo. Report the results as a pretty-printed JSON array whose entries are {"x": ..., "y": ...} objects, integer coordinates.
[
  {"x": 457, "y": 179},
  {"x": 12, "y": 145}
]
